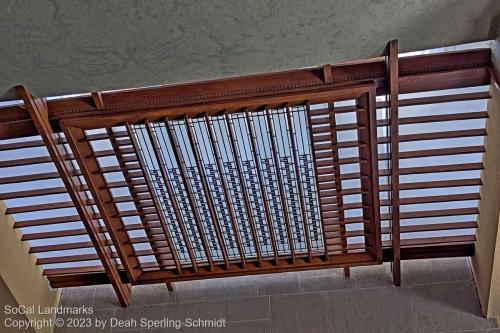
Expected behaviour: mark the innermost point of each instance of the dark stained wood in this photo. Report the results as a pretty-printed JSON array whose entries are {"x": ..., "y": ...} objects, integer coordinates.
[
  {"x": 211, "y": 206},
  {"x": 337, "y": 179},
  {"x": 95, "y": 275},
  {"x": 47, "y": 221},
  {"x": 32, "y": 193},
  {"x": 419, "y": 73},
  {"x": 249, "y": 94},
  {"x": 187, "y": 186},
  {"x": 41, "y": 207},
  {"x": 368, "y": 157},
  {"x": 324, "y": 224},
  {"x": 139, "y": 204},
  {"x": 37, "y": 109},
  {"x": 265, "y": 198},
  {"x": 292, "y": 136},
  {"x": 98, "y": 102},
  {"x": 393, "y": 70},
  {"x": 109, "y": 212},
  {"x": 171, "y": 194},
  {"x": 281, "y": 188},
  {"x": 246, "y": 197},
  {"x": 227, "y": 195}
]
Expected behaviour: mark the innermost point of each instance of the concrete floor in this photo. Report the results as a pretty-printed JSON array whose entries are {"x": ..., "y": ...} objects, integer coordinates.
[{"x": 437, "y": 295}]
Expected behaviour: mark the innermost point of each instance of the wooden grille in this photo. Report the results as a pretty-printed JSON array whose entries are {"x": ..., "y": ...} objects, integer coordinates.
[{"x": 282, "y": 174}]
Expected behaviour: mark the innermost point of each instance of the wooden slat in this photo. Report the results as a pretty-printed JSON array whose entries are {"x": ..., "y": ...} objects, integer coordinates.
[
  {"x": 129, "y": 176},
  {"x": 25, "y": 161},
  {"x": 440, "y": 135},
  {"x": 338, "y": 181},
  {"x": 32, "y": 193},
  {"x": 416, "y": 120},
  {"x": 39, "y": 114},
  {"x": 281, "y": 188},
  {"x": 433, "y": 199},
  {"x": 437, "y": 184},
  {"x": 322, "y": 192},
  {"x": 436, "y": 169},
  {"x": 227, "y": 196},
  {"x": 432, "y": 213},
  {"x": 103, "y": 199},
  {"x": 61, "y": 247},
  {"x": 41, "y": 207},
  {"x": 171, "y": 194},
  {"x": 394, "y": 122},
  {"x": 435, "y": 227},
  {"x": 292, "y": 136},
  {"x": 66, "y": 259},
  {"x": 206, "y": 189},
  {"x": 47, "y": 221},
  {"x": 187, "y": 187},
  {"x": 54, "y": 234},
  {"x": 367, "y": 134},
  {"x": 22, "y": 145},
  {"x": 265, "y": 198},
  {"x": 154, "y": 200},
  {"x": 437, "y": 240},
  {"x": 246, "y": 197}
]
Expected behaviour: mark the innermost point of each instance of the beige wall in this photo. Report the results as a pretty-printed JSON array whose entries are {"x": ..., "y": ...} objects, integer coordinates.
[
  {"x": 19, "y": 272},
  {"x": 486, "y": 261},
  {"x": 7, "y": 299}
]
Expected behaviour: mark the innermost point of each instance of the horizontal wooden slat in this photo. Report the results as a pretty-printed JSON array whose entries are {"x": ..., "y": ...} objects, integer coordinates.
[
  {"x": 436, "y": 184},
  {"x": 25, "y": 161},
  {"x": 412, "y": 120},
  {"x": 435, "y": 198},
  {"x": 438, "y": 240},
  {"x": 54, "y": 234},
  {"x": 61, "y": 247},
  {"x": 21, "y": 145},
  {"x": 32, "y": 177},
  {"x": 46, "y": 221},
  {"x": 71, "y": 258},
  {"x": 434, "y": 213},
  {"x": 32, "y": 193},
  {"x": 39, "y": 207},
  {"x": 434, "y": 227}
]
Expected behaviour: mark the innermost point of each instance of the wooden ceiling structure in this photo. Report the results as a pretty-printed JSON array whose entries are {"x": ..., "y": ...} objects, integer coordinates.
[{"x": 245, "y": 175}]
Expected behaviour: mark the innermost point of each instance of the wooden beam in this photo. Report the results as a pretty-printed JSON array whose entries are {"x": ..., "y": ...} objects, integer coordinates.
[
  {"x": 98, "y": 101},
  {"x": 393, "y": 70},
  {"x": 337, "y": 179},
  {"x": 108, "y": 211},
  {"x": 87, "y": 276},
  {"x": 368, "y": 159},
  {"x": 38, "y": 111}
]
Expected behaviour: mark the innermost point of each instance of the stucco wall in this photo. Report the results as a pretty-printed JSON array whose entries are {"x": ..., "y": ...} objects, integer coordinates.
[
  {"x": 486, "y": 261},
  {"x": 19, "y": 271}
]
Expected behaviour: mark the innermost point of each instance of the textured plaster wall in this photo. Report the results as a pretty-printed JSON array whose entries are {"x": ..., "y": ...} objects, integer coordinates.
[
  {"x": 21, "y": 275},
  {"x": 7, "y": 299},
  {"x": 58, "y": 47},
  {"x": 486, "y": 261}
]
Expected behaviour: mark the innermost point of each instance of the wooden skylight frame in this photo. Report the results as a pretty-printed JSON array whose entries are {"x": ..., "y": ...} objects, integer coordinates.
[{"x": 78, "y": 166}]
